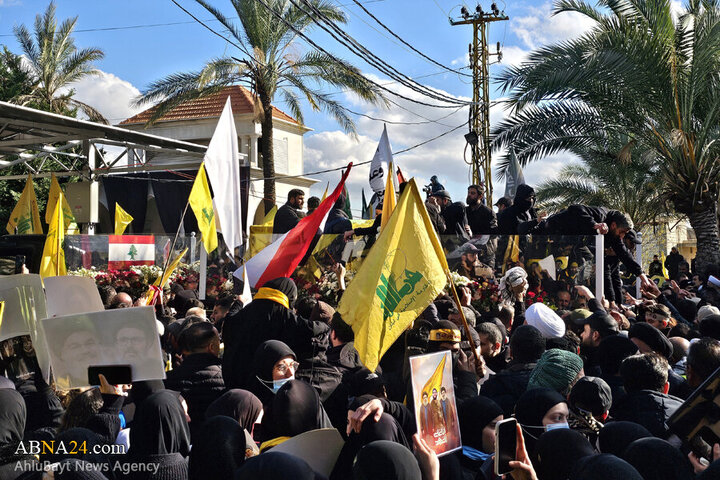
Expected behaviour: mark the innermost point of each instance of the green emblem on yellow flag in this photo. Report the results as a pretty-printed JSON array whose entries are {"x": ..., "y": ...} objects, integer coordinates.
[
  {"x": 201, "y": 203},
  {"x": 25, "y": 217}
]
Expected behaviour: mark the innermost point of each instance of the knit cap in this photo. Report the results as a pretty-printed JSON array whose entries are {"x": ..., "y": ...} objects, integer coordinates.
[{"x": 556, "y": 370}]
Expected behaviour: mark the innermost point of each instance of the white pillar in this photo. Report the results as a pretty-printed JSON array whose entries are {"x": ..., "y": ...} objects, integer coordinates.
[
  {"x": 599, "y": 267},
  {"x": 94, "y": 203}
]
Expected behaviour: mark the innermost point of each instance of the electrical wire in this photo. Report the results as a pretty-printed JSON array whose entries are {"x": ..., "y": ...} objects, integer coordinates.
[
  {"x": 431, "y": 60},
  {"x": 242, "y": 48},
  {"x": 361, "y": 51}
]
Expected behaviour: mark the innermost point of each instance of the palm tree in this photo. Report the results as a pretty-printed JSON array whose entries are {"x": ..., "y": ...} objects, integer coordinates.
[
  {"x": 268, "y": 64},
  {"x": 639, "y": 73},
  {"x": 54, "y": 63},
  {"x": 607, "y": 177}
]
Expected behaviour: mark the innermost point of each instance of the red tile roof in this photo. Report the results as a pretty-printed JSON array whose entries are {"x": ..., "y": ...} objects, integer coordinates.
[{"x": 210, "y": 106}]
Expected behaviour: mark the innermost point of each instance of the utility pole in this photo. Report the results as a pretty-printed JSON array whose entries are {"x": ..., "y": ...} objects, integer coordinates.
[{"x": 479, "y": 135}]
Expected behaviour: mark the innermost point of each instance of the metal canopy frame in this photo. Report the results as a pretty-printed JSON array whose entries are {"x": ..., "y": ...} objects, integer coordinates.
[{"x": 27, "y": 134}]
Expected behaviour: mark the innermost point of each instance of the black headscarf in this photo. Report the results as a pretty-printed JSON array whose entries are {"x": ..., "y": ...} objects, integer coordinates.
[
  {"x": 711, "y": 473},
  {"x": 266, "y": 356},
  {"x": 286, "y": 286},
  {"x": 530, "y": 409},
  {"x": 276, "y": 466},
  {"x": 80, "y": 436},
  {"x": 77, "y": 469},
  {"x": 296, "y": 409},
  {"x": 604, "y": 467},
  {"x": 160, "y": 426},
  {"x": 557, "y": 451},
  {"x": 474, "y": 414},
  {"x": 238, "y": 404},
  {"x": 615, "y": 437},
  {"x": 385, "y": 459},
  {"x": 143, "y": 389},
  {"x": 218, "y": 449},
  {"x": 657, "y": 459},
  {"x": 12, "y": 416}
]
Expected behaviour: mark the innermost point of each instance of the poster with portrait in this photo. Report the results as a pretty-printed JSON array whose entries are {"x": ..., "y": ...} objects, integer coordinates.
[
  {"x": 434, "y": 397},
  {"x": 126, "y": 336},
  {"x": 68, "y": 295},
  {"x": 24, "y": 307}
]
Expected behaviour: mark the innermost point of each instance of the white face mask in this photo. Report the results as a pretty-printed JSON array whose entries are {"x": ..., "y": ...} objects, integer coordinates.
[{"x": 556, "y": 426}]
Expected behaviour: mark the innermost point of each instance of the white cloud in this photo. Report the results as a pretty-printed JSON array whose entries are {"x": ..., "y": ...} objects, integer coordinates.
[
  {"x": 541, "y": 27},
  {"x": 513, "y": 55},
  {"x": 109, "y": 94}
]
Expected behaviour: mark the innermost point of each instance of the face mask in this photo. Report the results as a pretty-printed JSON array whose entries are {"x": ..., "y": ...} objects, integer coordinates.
[
  {"x": 556, "y": 426},
  {"x": 279, "y": 383}
]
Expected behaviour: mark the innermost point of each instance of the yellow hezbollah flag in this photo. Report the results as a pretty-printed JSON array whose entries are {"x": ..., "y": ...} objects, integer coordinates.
[
  {"x": 512, "y": 252},
  {"x": 55, "y": 192},
  {"x": 122, "y": 219},
  {"x": 202, "y": 205},
  {"x": 25, "y": 216},
  {"x": 388, "y": 199},
  {"x": 436, "y": 380},
  {"x": 53, "y": 260},
  {"x": 402, "y": 274},
  {"x": 161, "y": 281},
  {"x": 664, "y": 268},
  {"x": 270, "y": 217}
]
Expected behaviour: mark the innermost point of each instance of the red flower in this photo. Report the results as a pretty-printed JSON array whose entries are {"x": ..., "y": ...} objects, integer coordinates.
[{"x": 531, "y": 294}]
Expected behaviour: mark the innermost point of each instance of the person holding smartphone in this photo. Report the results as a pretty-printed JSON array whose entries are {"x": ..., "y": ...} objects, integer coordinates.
[{"x": 478, "y": 417}]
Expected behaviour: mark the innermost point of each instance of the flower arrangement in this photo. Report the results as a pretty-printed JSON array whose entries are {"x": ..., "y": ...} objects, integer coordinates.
[{"x": 486, "y": 296}]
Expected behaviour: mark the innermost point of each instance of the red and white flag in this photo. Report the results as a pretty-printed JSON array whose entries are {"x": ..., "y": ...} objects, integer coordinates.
[
  {"x": 127, "y": 250},
  {"x": 280, "y": 258}
]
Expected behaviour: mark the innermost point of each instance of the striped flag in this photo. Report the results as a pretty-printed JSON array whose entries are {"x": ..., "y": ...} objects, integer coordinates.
[
  {"x": 127, "y": 250},
  {"x": 280, "y": 258}
]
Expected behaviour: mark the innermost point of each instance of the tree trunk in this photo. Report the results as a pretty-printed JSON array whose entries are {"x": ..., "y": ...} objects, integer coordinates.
[
  {"x": 268, "y": 156},
  {"x": 705, "y": 224}
]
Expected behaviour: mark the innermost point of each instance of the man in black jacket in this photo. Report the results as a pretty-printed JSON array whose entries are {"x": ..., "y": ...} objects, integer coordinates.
[
  {"x": 454, "y": 217},
  {"x": 481, "y": 218},
  {"x": 505, "y": 387},
  {"x": 199, "y": 377},
  {"x": 521, "y": 212},
  {"x": 289, "y": 214},
  {"x": 645, "y": 377}
]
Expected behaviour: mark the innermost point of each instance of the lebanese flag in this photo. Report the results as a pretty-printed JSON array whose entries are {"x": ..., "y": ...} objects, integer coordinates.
[
  {"x": 127, "y": 250},
  {"x": 280, "y": 258}
]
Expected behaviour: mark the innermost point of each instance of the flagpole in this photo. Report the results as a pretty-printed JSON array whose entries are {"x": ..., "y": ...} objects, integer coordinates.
[
  {"x": 177, "y": 234},
  {"x": 462, "y": 314}
]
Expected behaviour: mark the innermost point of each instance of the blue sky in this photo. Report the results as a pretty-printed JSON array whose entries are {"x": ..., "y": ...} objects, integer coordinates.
[{"x": 135, "y": 57}]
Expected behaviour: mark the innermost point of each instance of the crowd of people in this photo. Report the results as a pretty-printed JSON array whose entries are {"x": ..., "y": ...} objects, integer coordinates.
[{"x": 592, "y": 382}]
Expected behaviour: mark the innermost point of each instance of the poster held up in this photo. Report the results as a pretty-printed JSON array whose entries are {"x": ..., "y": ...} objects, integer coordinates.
[{"x": 434, "y": 397}]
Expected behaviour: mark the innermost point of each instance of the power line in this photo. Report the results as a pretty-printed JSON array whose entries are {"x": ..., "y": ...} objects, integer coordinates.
[
  {"x": 406, "y": 43},
  {"x": 361, "y": 51},
  {"x": 430, "y": 140}
]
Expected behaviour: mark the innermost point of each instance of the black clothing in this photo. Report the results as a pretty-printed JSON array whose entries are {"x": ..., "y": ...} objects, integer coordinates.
[
  {"x": 337, "y": 222},
  {"x": 12, "y": 425},
  {"x": 160, "y": 426},
  {"x": 672, "y": 263},
  {"x": 657, "y": 459},
  {"x": 276, "y": 466},
  {"x": 199, "y": 380},
  {"x": 603, "y": 467},
  {"x": 615, "y": 437},
  {"x": 520, "y": 212},
  {"x": 482, "y": 219},
  {"x": 263, "y": 362},
  {"x": 170, "y": 466},
  {"x": 218, "y": 449},
  {"x": 455, "y": 221},
  {"x": 240, "y": 405},
  {"x": 531, "y": 408},
  {"x": 655, "y": 268},
  {"x": 506, "y": 386},
  {"x": 436, "y": 218},
  {"x": 264, "y": 320},
  {"x": 372, "y": 230},
  {"x": 344, "y": 357},
  {"x": 648, "y": 408},
  {"x": 474, "y": 415},
  {"x": 296, "y": 409},
  {"x": 386, "y": 459},
  {"x": 286, "y": 218}
]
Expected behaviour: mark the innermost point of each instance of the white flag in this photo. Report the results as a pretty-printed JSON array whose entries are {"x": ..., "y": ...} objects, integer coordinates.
[
  {"x": 223, "y": 169},
  {"x": 379, "y": 164},
  {"x": 513, "y": 176}
]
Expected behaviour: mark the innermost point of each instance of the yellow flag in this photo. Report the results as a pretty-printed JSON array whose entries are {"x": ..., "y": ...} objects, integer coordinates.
[
  {"x": 388, "y": 199},
  {"x": 202, "y": 205},
  {"x": 162, "y": 280},
  {"x": 25, "y": 216},
  {"x": 122, "y": 219},
  {"x": 53, "y": 260},
  {"x": 401, "y": 276},
  {"x": 512, "y": 252},
  {"x": 55, "y": 192},
  {"x": 436, "y": 380},
  {"x": 270, "y": 217},
  {"x": 665, "y": 272},
  {"x": 324, "y": 195},
  {"x": 2, "y": 311}
]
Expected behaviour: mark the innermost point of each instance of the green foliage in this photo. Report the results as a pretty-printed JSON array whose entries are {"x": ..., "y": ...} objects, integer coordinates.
[{"x": 14, "y": 81}]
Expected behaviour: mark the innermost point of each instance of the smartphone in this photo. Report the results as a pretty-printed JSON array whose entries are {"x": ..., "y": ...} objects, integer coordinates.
[
  {"x": 505, "y": 444},
  {"x": 114, "y": 374}
]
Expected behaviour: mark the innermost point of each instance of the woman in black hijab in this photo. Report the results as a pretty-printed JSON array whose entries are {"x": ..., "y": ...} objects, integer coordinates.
[
  {"x": 386, "y": 459},
  {"x": 604, "y": 467},
  {"x": 615, "y": 437},
  {"x": 238, "y": 404},
  {"x": 266, "y": 361},
  {"x": 657, "y": 459},
  {"x": 477, "y": 417},
  {"x": 12, "y": 424},
  {"x": 218, "y": 449},
  {"x": 557, "y": 451},
  {"x": 160, "y": 435},
  {"x": 269, "y": 316},
  {"x": 537, "y": 408},
  {"x": 295, "y": 409},
  {"x": 276, "y": 466}
]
